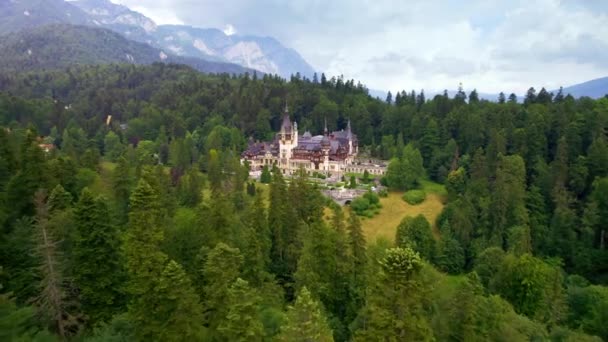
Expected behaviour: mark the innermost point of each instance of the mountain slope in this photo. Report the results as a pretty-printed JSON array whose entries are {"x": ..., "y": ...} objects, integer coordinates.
[
  {"x": 595, "y": 88},
  {"x": 61, "y": 45},
  {"x": 261, "y": 53},
  {"x": 16, "y": 15}
]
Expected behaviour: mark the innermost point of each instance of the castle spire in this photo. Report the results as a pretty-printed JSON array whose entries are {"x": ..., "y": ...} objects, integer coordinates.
[
  {"x": 325, "y": 132},
  {"x": 349, "y": 133}
]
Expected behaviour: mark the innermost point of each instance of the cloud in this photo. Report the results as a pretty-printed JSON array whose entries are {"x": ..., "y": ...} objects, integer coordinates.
[
  {"x": 491, "y": 45},
  {"x": 229, "y": 30}
]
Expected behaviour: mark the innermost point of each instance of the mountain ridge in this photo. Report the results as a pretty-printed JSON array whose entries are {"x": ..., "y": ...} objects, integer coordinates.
[
  {"x": 57, "y": 46},
  {"x": 265, "y": 54}
]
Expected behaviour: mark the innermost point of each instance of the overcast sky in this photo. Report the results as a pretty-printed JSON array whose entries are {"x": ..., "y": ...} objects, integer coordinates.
[{"x": 490, "y": 45}]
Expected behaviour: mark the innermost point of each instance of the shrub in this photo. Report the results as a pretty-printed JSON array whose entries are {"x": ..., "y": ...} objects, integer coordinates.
[
  {"x": 414, "y": 197},
  {"x": 367, "y": 205},
  {"x": 360, "y": 205},
  {"x": 372, "y": 197}
]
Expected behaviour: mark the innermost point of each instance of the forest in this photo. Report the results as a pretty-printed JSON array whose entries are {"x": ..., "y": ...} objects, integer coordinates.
[{"x": 126, "y": 214}]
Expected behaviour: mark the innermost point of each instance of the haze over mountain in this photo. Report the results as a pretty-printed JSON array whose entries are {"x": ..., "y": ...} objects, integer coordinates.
[
  {"x": 61, "y": 45},
  {"x": 268, "y": 55},
  {"x": 265, "y": 54}
]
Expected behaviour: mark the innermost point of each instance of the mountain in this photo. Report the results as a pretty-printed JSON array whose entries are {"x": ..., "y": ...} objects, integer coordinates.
[
  {"x": 595, "y": 88},
  {"x": 265, "y": 54},
  {"x": 16, "y": 15},
  {"x": 261, "y": 53},
  {"x": 62, "y": 45}
]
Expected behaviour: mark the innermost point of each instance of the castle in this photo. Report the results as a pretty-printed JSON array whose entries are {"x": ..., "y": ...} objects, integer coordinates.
[{"x": 330, "y": 154}]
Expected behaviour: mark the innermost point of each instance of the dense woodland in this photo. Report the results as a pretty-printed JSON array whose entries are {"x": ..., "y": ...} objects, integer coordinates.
[{"x": 145, "y": 226}]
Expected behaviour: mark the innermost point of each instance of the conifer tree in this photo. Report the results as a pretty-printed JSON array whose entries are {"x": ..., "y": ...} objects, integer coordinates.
[
  {"x": 52, "y": 299},
  {"x": 266, "y": 177},
  {"x": 179, "y": 310},
  {"x": 22, "y": 186},
  {"x": 242, "y": 322},
  {"x": 97, "y": 265},
  {"x": 121, "y": 183},
  {"x": 283, "y": 225},
  {"x": 144, "y": 260},
  {"x": 394, "y": 308},
  {"x": 59, "y": 199},
  {"x": 305, "y": 321},
  {"x": 322, "y": 270},
  {"x": 214, "y": 171},
  {"x": 356, "y": 242},
  {"x": 221, "y": 269},
  {"x": 257, "y": 254}
]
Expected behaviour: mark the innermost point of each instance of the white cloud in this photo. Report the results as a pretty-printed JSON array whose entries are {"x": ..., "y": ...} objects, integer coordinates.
[
  {"x": 491, "y": 45},
  {"x": 229, "y": 30}
]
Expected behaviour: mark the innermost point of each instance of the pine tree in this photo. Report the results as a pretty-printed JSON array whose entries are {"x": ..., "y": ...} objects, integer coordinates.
[
  {"x": 52, "y": 299},
  {"x": 305, "y": 321},
  {"x": 144, "y": 260},
  {"x": 356, "y": 244},
  {"x": 501, "y": 98},
  {"x": 394, "y": 307},
  {"x": 22, "y": 186},
  {"x": 430, "y": 141},
  {"x": 97, "y": 265},
  {"x": 214, "y": 171},
  {"x": 324, "y": 268},
  {"x": 283, "y": 224},
  {"x": 17, "y": 323},
  {"x": 121, "y": 183},
  {"x": 221, "y": 269},
  {"x": 257, "y": 252},
  {"x": 179, "y": 311},
  {"x": 266, "y": 177},
  {"x": 242, "y": 322},
  {"x": 59, "y": 198}
]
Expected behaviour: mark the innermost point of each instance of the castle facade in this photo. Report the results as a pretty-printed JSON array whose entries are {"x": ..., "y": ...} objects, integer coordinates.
[{"x": 331, "y": 154}]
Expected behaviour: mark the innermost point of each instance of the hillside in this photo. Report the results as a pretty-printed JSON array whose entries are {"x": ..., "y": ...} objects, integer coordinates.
[
  {"x": 264, "y": 54},
  {"x": 595, "y": 88},
  {"x": 158, "y": 196},
  {"x": 27, "y": 14},
  {"x": 60, "y": 45},
  {"x": 261, "y": 53}
]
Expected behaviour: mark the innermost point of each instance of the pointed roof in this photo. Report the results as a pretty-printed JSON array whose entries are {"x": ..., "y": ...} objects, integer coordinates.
[{"x": 286, "y": 126}]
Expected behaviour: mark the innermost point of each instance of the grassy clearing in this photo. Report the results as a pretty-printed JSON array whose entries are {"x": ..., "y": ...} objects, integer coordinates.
[
  {"x": 435, "y": 188},
  {"x": 394, "y": 209}
]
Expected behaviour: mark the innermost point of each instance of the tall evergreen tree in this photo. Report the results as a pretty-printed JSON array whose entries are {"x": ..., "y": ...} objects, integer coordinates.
[
  {"x": 305, "y": 321},
  {"x": 179, "y": 310},
  {"x": 144, "y": 260},
  {"x": 97, "y": 265},
  {"x": 221, "y": 269},
  {"x": 394, "y": 308},
  {"x": 51, "y": 301},
  {"x": 122, "y": 183},
  {"x": 242, "y": 322}
]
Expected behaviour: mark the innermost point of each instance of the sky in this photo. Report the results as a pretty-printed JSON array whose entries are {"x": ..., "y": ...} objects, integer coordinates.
[{"x": 489, "y": 45}]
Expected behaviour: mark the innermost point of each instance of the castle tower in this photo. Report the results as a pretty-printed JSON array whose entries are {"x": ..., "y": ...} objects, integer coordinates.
[
  {"x": 287, "y": 140},
  {"x": 325, "y": 147},
  {"x": 349, "y": 136}
]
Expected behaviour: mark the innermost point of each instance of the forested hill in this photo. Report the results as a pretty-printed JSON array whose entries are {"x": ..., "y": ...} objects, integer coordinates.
[
  {"x": 59, "y": 46},
  {"x": 112, "y": 228}
]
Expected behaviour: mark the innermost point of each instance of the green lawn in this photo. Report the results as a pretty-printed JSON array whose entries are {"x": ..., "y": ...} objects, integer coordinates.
[{"x": 394, "y": 209}]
